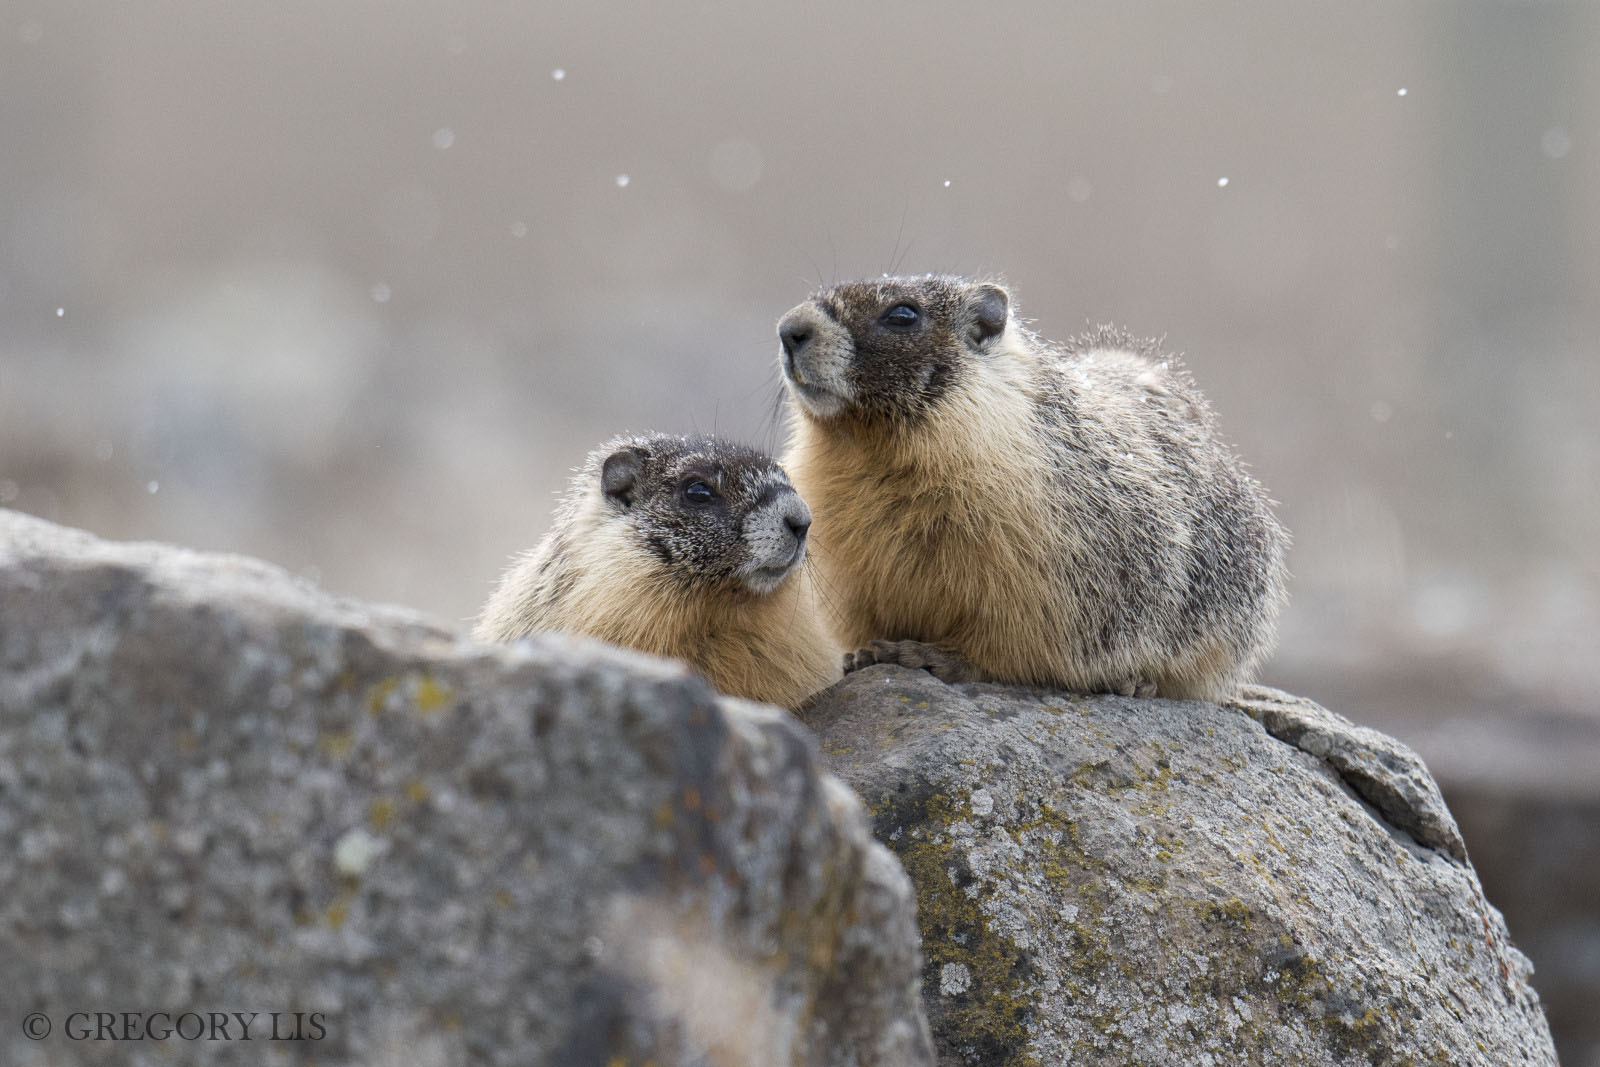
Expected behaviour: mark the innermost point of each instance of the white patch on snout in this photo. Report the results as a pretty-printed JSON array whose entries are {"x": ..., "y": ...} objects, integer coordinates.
[
  {"x": 817, "y": 377},
  {"x": 774, "y": 551}
]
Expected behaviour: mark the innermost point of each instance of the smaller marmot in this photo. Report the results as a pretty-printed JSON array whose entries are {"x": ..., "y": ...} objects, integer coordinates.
[
  {"x": 687, "y": 547},
  {"x": 991, "y": 506}
]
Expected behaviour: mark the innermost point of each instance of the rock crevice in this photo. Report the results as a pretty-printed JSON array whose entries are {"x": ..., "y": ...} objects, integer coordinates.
[{"x": 1380, "y": 770}]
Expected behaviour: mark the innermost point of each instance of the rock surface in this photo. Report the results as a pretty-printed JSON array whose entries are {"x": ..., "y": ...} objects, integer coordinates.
[
  {"x": 1103, "y": 880},
  {"x": 223, "y": 791}
]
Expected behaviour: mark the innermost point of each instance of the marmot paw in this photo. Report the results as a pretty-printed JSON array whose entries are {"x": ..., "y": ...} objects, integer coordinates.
[
  {"x": 941, "y": 661},
  {"x": 1132, "y": 687}
]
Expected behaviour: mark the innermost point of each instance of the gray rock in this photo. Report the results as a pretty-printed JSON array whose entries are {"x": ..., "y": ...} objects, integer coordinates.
[
  {"x": 1382, "y": 771},
  {"x": 223, "y": 791},
  {"x": 1103, "y": 880}
]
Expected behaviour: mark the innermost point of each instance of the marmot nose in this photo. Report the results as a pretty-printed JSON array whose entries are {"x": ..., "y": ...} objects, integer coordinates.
[
  {"x": 795, "y": 337},
  {"x": 797, "y": 517},
  {"x": 797, "y": 526},
  {"x": 795, "y": 332}
]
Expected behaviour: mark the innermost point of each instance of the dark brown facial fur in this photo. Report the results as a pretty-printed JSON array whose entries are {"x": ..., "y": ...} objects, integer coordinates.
[
  {"x": 690, "y": 496},
  {"x": 911, "y": 337}
]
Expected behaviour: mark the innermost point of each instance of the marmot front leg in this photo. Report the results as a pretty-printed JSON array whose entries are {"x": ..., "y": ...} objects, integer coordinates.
[{"x": 941, "y": 661}]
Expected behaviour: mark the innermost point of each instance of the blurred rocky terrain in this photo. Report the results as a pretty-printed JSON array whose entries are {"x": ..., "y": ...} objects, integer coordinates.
[{"x": 352, "y": 287}]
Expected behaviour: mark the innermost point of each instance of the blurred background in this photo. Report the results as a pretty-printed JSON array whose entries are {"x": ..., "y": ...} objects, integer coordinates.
[{"x": 353, "y": 287}]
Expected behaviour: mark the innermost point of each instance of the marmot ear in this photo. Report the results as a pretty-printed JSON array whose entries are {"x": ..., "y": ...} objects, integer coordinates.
[
  {"x": 989, "y": 307},
  {"x": 619, "y": 475}
]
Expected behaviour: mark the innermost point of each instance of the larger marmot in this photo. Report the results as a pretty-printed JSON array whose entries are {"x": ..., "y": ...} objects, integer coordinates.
[
  {"x": 687, "y": 547},
  {"x": 1054, "y": 516}
]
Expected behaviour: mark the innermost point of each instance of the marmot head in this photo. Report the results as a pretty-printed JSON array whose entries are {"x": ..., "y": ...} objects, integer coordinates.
[
  {"x": 713, "y": 513},
  {"x": 887, "y": 349}
]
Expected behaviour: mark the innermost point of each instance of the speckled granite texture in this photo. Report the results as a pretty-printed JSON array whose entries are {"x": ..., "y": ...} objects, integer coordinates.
[
  {"x": 1103, "y": 880},
  {"x": 224, "y": 791}
]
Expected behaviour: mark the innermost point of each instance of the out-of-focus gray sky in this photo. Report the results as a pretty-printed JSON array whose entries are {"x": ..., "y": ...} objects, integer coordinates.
[{"x": 353, "y": 286}]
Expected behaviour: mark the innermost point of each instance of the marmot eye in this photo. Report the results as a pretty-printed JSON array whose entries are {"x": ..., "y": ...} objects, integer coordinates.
[
  {"x": 699, "y": 493},
  {"x": 901, "y": 315}
]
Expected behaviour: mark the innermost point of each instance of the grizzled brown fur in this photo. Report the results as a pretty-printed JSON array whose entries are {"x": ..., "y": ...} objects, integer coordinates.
[{"x": 1060, "y": 516}]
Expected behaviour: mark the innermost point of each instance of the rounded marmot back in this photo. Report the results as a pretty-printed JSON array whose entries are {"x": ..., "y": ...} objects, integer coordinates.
[
  {"x": 689, "y": 547},
  {"x": 1054, "y": 515}
]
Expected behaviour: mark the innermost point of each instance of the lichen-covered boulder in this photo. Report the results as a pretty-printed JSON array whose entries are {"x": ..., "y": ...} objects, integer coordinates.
[
  {"x": 1103, "y": 880},
  {"x": 222, "y": 791}
]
